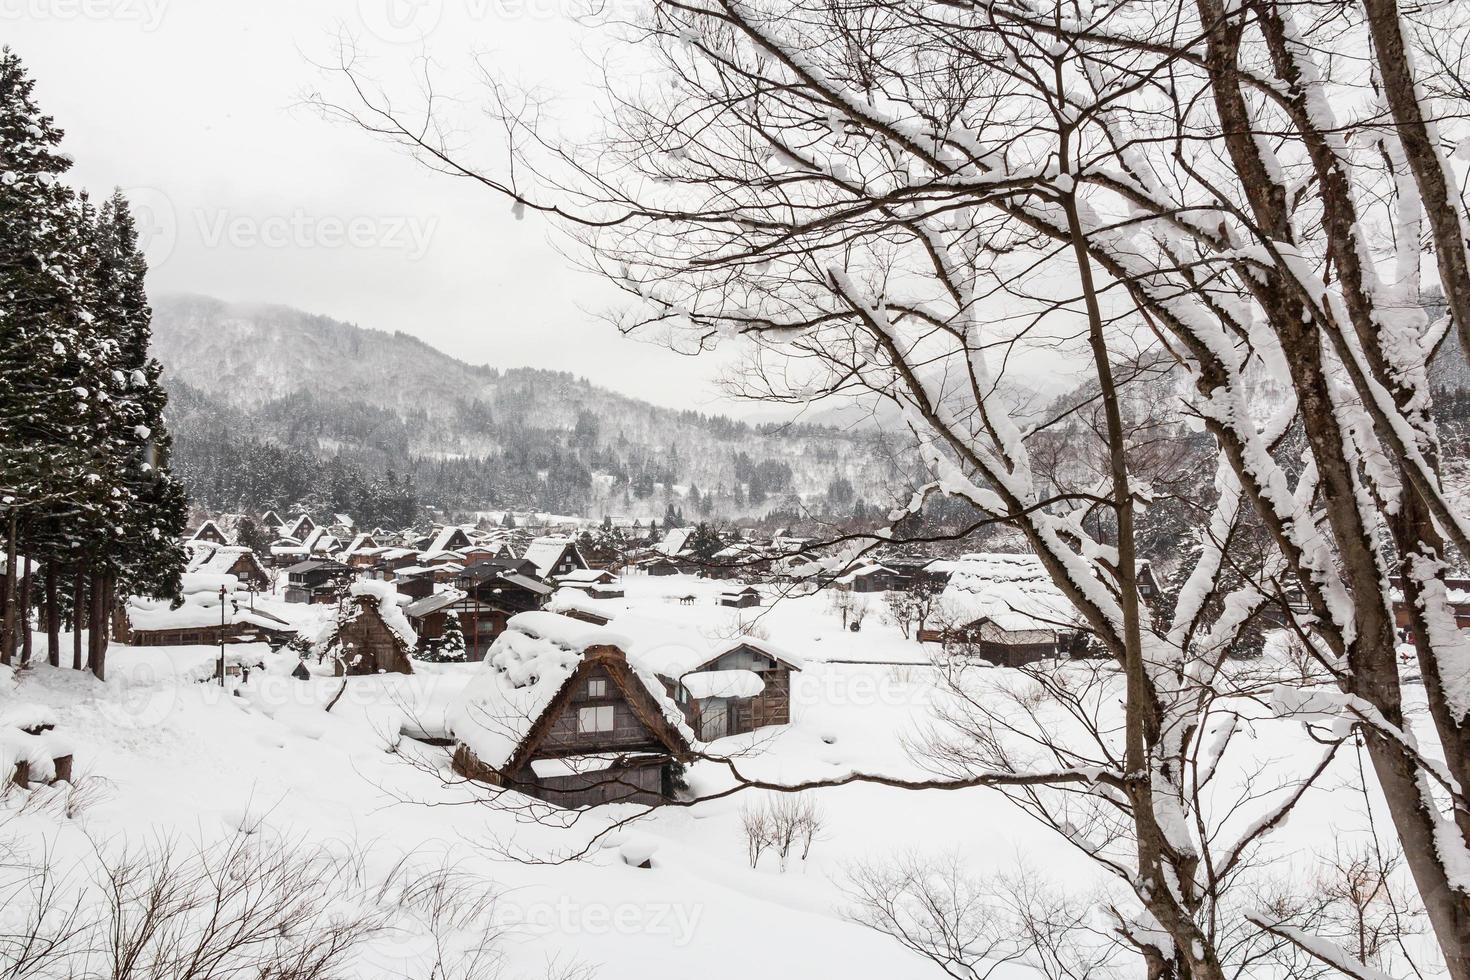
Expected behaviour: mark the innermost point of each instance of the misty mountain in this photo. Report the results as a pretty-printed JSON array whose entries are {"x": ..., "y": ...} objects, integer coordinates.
[{"x": 273, "y": 406}]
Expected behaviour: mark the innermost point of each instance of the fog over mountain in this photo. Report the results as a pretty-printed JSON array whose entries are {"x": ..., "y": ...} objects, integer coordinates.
[{"x": 267, "y": 400}]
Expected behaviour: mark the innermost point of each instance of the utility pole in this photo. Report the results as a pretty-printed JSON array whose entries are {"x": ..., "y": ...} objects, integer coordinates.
[{"x": 221, "y": 636}]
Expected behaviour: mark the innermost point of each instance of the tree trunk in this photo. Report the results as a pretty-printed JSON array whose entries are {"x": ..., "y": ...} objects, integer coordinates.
[
  {"x": 98, "y": 629},
  {"x": 24, "y": 615},
  {"x": 1436, "y": 186},
  {"x": 7, "y": 624},
  {"x": 79, "y": 593},
  {"x": 53, "y": 617}
]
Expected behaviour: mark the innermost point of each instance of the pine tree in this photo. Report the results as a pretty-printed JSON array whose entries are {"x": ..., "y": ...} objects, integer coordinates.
[
  {"x": 448, "y": 647},
  {"x": 43, "y": 445},
  {"x": 151, "y": 561}
]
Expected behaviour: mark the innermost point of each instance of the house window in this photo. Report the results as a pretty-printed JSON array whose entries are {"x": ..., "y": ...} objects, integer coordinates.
[
  {"x": 599, "y": 719},
  {"x": 597, "y": 688}
]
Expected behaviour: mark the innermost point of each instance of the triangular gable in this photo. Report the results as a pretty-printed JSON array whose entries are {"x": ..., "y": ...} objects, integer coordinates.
[
  {"x": 639, "y": 699},
  {"x": 785, "y": 660}
]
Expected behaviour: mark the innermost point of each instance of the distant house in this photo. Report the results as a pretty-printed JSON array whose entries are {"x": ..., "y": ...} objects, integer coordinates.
[
  {"x": 742, "y": 598},
  {"x": 1457, "y": 594},
  {"x": 315, "y": 580},
  {"x": 596, "y": 582},
  {"x": 1001, "y": 607},
  {"x": 429, "y": 614},
  {"x": 362, "y": 544},
  {"x": 871, "y": 578},
  {"x": 564, "y": 718},
  {"x": 554, "y": 557},
  {"x": 390, "y": 560},
  {"x": 371, "y": 634},
  {"x": 202, "y": 619},
  {"x": 737, "y": 560},
  {"x": 675, "y": 542},
  {"x": 448, "y": 538},
  {"x": 494, "y": 591},
  {"x": 299, "y": 527},
  {"x": 746, "y": 685},
  {"x": 415, "y": 581},
  {"x": 663, "y": 565},
  {"x": 235, "y": 560},
  {"x": 209, "y": 531},
  {"x": 271, "y": 521}
]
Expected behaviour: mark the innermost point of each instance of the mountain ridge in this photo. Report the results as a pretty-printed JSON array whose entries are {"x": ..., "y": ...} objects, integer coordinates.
[{"x": 274, "y": 374}]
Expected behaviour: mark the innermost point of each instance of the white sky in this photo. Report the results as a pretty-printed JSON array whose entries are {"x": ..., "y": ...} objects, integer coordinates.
[{"x": 191, "y": 106}]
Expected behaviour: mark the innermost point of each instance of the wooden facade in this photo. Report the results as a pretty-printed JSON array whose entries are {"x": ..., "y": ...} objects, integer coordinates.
[
  {"x": 713, "y": 718},
  {"x": 745, "y": 598},
  {"x": 603, "y": 738},
  {"x": 366, "y": 643},
  {"x": 209, "y": 531},
  {"x": 1005, "y": 647},
  {"x": 250, "y": 572}
]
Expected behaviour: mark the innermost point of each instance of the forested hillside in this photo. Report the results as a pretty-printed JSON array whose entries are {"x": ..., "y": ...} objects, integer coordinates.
[{"x": 273, "y": 406}]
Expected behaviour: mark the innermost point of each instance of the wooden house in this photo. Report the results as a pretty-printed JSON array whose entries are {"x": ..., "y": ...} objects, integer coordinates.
[
  {"x": 1001, "y": 607},
  {"x": 1009, "y": 640},
  {"x": 746, "y": 685},
  {"x": 448, "y": 538},
  {"x": 363, "y": 544},
  {"x": 596, "y": 582},
  {"x": 429, "y": 614},
  {"x": 554, "y": 557},
  {"x": 209, "y": 532},
  {"x": 493, "y": 592},
  {"x": 298, "y": 527},
  {"x": 416, "y": 581},
  {"x": 201, "y": 619},
  {"x": 371, "y": 634},
  {"x": 568, "y": 722},
  {"x": 871, "y": 578},
  {"x": 1457, "y": 594},
  {"x": 271, "y": 521},
  {"x": 315, "y": 580},
  {"x": 235, "y": 560},
  {"x": 742, "y": 598}
]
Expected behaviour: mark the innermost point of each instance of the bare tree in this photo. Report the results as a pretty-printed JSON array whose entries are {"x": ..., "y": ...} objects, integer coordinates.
[{"x": 891, "y": 200}]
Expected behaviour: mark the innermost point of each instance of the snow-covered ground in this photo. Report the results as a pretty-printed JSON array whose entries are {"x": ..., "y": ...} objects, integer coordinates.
[{"x": 162, "y": 753}]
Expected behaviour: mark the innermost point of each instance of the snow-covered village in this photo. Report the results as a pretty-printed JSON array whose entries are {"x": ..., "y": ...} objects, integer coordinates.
[{"x": 666, "y": 488}]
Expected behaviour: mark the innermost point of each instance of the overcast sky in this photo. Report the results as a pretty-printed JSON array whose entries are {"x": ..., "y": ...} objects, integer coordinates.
[{"x": 192, "y": 106}]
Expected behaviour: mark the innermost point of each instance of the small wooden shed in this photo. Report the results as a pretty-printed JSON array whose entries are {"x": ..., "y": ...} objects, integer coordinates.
[{"x": 371, "y": 634}]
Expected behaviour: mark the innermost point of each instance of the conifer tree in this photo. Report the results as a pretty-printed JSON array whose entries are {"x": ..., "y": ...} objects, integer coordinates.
[{"x": 42, "y": 448}]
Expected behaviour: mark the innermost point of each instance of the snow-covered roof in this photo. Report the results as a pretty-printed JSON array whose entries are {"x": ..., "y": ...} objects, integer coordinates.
[
  {"x": 582, "y": 575},
  {"x": 792, "y": 660},
  {"x": 208, "y": 525},
  {"x": 723, "y": 684},
  {"x": 675, "y": 541},
  {"x": 1015, "y": 592},
  {"x": 443, "y": 537},
  {"x": 205, "y": 581},
  {"x": 358, "y": 543},
  {"x": 390, "y": 610},
  {"x": 218, "y": 560},
  {"x": 575, "y": 600},
  {"x": 199, "y": 610},
  {"x": 544, "y": 553},
  {"x": 432, "y": 603}
]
